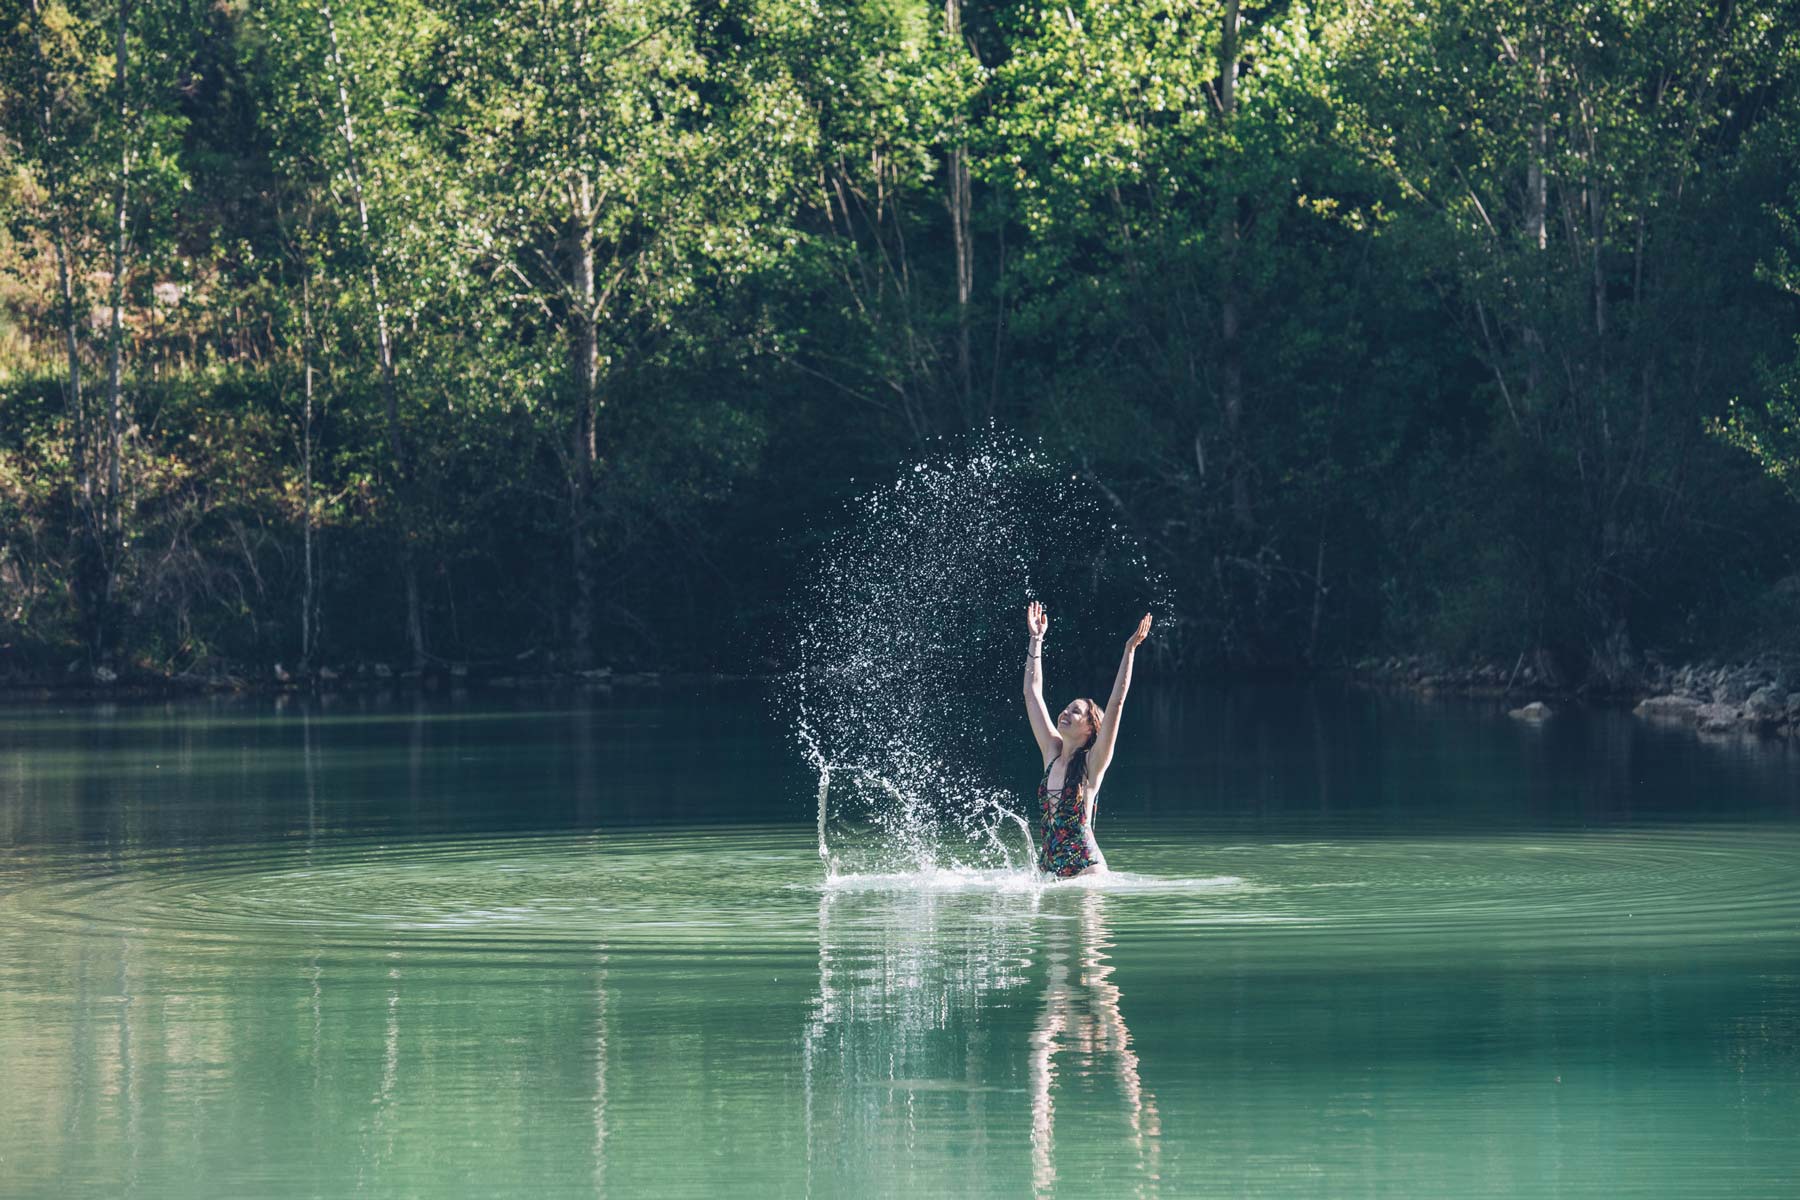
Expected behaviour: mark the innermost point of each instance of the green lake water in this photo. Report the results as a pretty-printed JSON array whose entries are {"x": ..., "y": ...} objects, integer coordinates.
[{"x": 1358, "y": 945}]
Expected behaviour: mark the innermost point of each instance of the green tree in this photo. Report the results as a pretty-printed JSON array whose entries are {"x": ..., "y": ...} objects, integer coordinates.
[
  {"x": 891, "y": 218},
  {"x": 92, "y": 107},
  {"x": 623, "y": 160},
  {"x": 1571, "y": 180},
  {"x": 347, "y": 85}
]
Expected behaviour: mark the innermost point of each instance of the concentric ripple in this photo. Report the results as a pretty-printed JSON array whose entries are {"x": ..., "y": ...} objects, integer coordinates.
[
  {"x": 761, "y": 886},
  {"x": 668, "y": 886},
  {"x": 1662, "y": 886}
]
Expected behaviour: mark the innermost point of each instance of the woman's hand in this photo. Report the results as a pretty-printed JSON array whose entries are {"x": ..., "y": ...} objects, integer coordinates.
[
  {"x": 1036, "y": 620},
  {"x": 1139, "y": 634}
]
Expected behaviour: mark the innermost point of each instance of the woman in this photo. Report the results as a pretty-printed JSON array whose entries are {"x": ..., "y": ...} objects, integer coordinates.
[{"x": 1077, "y": 750}]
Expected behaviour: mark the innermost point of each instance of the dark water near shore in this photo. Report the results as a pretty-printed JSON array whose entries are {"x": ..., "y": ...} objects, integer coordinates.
[{"x": 1359, "y": 944}]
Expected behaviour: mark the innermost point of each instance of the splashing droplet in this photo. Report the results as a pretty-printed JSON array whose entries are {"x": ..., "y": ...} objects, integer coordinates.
[{"x": 911, "y": 650}]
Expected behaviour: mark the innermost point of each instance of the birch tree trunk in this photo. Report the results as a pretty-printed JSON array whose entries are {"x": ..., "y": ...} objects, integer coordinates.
[
  {"x": 962, "y": 245},
  {"x": 1536, "y": 188},
  {"x": 65, "y": 276},
  {"x": 84, "y": 529},
  {"x": 308, "y": 603},
  {"x": 585, "y": 347},
  {"x": 1537, "y": 196},
  {"x": 84, "y": 484},
  {"x": 1536, "y": 209},
  {"x": 390, "y": 387},
  {"x": 1231, "y": 351},
  {"x": 114, "y": 527}
]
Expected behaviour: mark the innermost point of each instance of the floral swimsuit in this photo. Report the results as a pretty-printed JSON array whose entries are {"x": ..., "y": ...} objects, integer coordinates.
[{"x": 1068, "y": 846}]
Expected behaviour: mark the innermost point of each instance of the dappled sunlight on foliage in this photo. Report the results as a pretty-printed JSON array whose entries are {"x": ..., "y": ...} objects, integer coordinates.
[{"x": 447, "y": 331}]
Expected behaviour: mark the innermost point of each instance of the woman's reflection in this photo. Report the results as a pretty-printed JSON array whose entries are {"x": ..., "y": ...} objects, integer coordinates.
[
  {"x": 1081, "y": 1022},
  {"x": 926, "y": 1025}
]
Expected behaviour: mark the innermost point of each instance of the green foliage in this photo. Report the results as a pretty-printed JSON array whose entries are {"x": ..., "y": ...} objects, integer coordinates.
[{"x": 1416, "y": 344}]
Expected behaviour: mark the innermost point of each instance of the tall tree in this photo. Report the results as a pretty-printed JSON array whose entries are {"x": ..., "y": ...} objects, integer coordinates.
[
  {"x": 115, "y": 339},
  {"x": 344, "y": 81},
  {"x": 1231, "y": 348},
  {"x": 86, "y": 139},
  {"x": 622, "y": 156},
  {"x": 891, "y": 208},
  {"x": 1559, "y": 176},
  {"x": 52, "y": 117}
]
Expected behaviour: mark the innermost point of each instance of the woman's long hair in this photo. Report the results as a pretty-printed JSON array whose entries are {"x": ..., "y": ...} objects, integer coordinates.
[{"x": 1077, "y": 768}]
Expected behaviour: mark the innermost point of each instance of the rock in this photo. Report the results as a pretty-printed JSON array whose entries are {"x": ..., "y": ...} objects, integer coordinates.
[
  {"x": 1537, "y": 710},
  {"x": 1677, "y": 708},
  {"x": 1765, "y": 705},
  {"x": 539, "y": 682},
  {"x": 105, "y": 675},
  {"x": 1731, "y": 689},
  {"x": 1716, "y": 718}
]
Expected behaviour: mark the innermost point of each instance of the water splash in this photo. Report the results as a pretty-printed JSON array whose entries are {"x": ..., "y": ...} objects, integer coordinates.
[{"x": 911, "y": 650}]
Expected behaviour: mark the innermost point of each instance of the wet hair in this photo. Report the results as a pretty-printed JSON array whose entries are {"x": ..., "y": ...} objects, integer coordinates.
[{"x": 1077, "y": 768}]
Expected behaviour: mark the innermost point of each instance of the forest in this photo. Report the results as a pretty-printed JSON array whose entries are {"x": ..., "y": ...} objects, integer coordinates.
[{"x": 436, "y": 332}]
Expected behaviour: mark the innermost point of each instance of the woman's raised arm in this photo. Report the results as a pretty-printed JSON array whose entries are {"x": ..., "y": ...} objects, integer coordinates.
[
  {"x": 1100, "y": 757},
  {"x": 1036, "y": 622}
]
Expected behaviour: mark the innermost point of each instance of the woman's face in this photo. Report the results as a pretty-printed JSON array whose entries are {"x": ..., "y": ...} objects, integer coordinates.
[{"x": 1076, "y": 721}]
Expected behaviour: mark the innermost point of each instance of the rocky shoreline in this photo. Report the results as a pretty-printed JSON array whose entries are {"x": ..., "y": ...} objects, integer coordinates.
[
  {"x": 103, "y": 683},
  {"x": 1760, "y": 697}
]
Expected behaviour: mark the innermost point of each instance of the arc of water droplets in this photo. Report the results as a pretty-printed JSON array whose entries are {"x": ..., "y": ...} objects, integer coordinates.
[{"x": 910, "y": 643}]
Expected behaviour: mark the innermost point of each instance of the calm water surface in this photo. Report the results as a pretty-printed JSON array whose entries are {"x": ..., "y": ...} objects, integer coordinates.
[{"x": 1360, "y": 945}]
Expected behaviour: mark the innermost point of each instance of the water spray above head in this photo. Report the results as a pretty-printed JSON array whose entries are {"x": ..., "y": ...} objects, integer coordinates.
[{"x": 906, "y": 646}]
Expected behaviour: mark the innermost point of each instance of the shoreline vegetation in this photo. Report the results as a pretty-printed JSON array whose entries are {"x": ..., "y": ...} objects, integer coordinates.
[
  {"x": 519, "y": 676},
  {"x": 427, "y": 332},
  {"x": 1757, "y": 698}
]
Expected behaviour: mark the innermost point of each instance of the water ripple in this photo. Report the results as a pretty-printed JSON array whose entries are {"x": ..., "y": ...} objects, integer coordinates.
[{"x": 760, "y": 887}]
